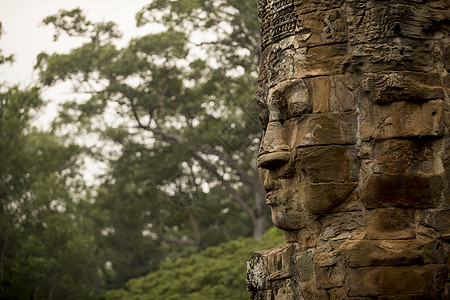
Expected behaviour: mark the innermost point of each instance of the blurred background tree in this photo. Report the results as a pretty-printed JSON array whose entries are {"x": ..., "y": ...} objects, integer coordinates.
[
  {"x": 176, "y": 123},
  {"x": 46, "y": 250}
]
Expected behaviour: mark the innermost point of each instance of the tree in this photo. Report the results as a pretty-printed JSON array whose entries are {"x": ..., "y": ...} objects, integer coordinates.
[
  {"x": 216, "y": 273},
  {"x": 185, "y": 175},
  {"x": 45, "y": 249},
  {"x": 177, "y": 99}
]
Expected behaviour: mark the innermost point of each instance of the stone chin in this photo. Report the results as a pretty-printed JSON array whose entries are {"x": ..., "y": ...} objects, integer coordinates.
[
  {"x": 287, "y": 211},
  {"x": 287, "y": 219}
]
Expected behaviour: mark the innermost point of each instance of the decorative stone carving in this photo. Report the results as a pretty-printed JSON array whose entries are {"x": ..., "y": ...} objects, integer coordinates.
[{"x": 355, "y": 157}]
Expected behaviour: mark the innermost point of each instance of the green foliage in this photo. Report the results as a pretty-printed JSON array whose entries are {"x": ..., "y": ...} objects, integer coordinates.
[
  {"x": 45, "y": 251},
  {"x": 4, "y": 59},
  {"x": 185, "y": 176},
  {"x": 216, "y": 273},
  {"x": 74, "y": 23}
]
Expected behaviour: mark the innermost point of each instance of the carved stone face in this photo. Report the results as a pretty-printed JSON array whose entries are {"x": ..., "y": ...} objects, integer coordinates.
[
  {"x": 307, "y": 161},
  {"x": 355, "y": 157}
]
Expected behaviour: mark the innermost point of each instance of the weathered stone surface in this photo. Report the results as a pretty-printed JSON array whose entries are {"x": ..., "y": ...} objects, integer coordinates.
[
  {"x": 331, "y": 93},
  {"x": 390, "y": 223},
  {"x": 320, "y": 60},
  {"x": 341, "y": 226},
  {"x": 321, "y": 198},
  {"x": 438, "y": 221},
  {"x": 327, "y": 164},
  {"x": 306, "y": 237},
  {"x": 310, "y": 130},
  {"x": 398, "y": 156},
  {"x": 403, "y": 86},
  {"x": 329, "y": 269},
  {"x": 365, "y": 253},
  {"x": 396, "y": 280},
  {"x": 446, "y": 165},
  {"x": 265, "y": 267},
  {"x": 373, "y": 20},
  {"x": 403, "y": 119},
  {"x": 320, "y": 93},
  {"x": 281, "y": 66},
  {"x": 342, "y": 98},
  {"x": 403, "y": 190},
  {"x": 288, "y": 99},
  {"x": 395, "y": 56},
  {"x": 286, "y": 209},
  {"x": 326, "y": 26},
  {"x": 355, "y": 157},
  {"x": 325, "y": 129}
]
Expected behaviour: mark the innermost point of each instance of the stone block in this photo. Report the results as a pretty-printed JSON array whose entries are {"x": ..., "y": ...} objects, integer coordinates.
[
  {"x": 314, "y": 6},
  {"x": 283, "y": 291},
  {"x": 285, "y": 217},
  {"x": 320, "y": 60},
  {"x": 263, "y": 72},
  {"x": 446, "y": 165},
  {"x": 310, "y": 130},
  {"x": 396, "y": 280},
  {"x": 309, "y": 291},
  {"x": 305, "y": 265},
  {"x": 265, "y": 267},
  {"x": 438, "y": 221},
  {"x": 365, "y": 253},
  {"x": 324, "y": 129},
  {"x": 327, "y": 163},
  {"x": 281, "y": 66},
  {"x": 338, "y": 293},
  {"x": 397, "y": 156},
  {"x": 428, "y": 296},
  {"x": 321, "y": 198},
  {"x": 402, "y": 119},
  {"x": 331, "y": 93},
  {"x": 305, "y": 237},
  {"x": 390, "y": 223},
  {"x": 398, "y": 56},
  {"x": 320, "y": 93},
  {"x": 277, "y": 137},
  {"x": 341, "y": 95},
  {"x": 330, "y": 270},
  {"x": 402, "y": 190},
  {"x": 323, "y": 26},
  {"x": 446, "y": 58},
  {"x": 403, "y": 86},
  {"x": 372, "y": 20},
  {"x": 341, "y": 226}
]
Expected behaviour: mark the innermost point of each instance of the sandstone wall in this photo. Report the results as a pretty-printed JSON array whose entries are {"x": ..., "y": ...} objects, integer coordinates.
[{"x": 355, "y": 157}]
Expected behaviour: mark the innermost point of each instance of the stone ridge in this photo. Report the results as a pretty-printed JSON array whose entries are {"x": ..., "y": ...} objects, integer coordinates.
[{"x": 354, "y": 102}]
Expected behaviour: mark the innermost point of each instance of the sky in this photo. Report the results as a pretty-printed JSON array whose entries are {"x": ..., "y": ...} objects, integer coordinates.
[{"x": 25, "y": 36}]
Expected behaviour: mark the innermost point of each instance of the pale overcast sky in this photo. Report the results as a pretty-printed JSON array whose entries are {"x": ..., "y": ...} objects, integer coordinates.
[{"x": 25, "y": 37}]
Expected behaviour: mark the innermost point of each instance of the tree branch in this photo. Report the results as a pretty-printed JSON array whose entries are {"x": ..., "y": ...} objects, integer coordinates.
[
  {"x": 227, "y": 185},
  {"x": 177, "y": 241}
]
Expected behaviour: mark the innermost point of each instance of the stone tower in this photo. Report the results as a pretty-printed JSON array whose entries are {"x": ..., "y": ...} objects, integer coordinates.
[{"x": 355, "y": 157}]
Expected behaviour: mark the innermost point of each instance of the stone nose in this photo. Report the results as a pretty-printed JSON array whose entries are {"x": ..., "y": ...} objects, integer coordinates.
[{"x": 274, "y": 160}]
